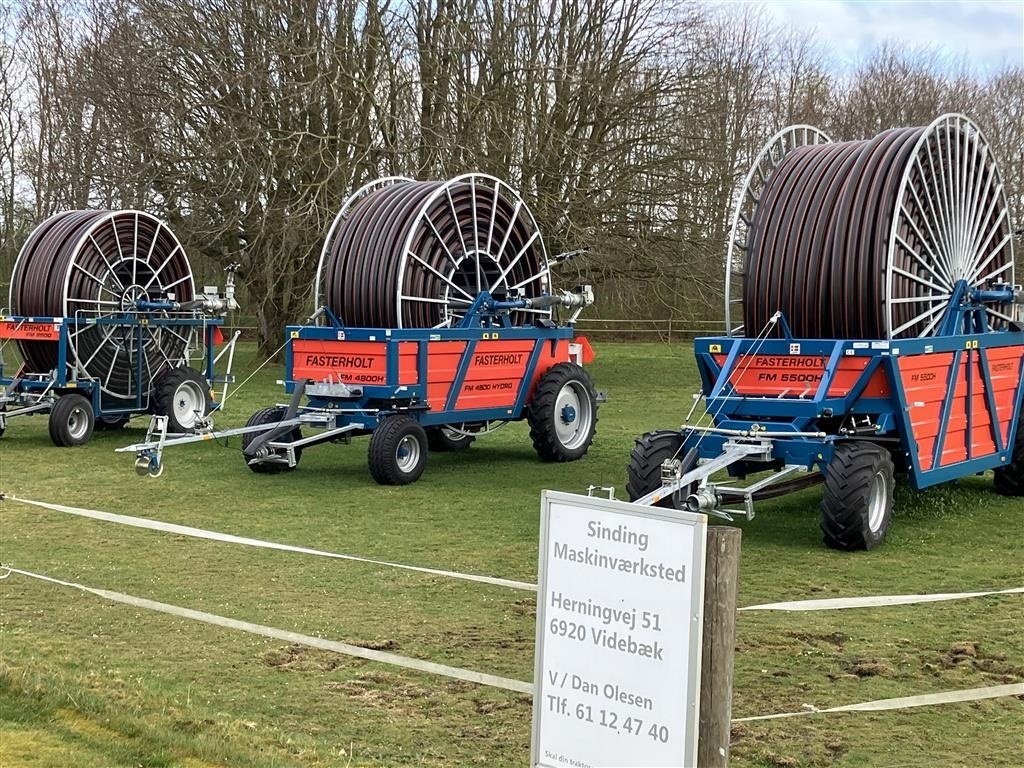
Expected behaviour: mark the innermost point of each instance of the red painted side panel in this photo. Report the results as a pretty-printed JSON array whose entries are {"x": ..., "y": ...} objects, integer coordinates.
[
  {"x": 1004, "y": 370},
  {"x": 850, "y": 369},
  {"x": 775, "y": 375},
  {"x": 443, "y": 358},
  {"x": 353, "y": 362},
  {"x": 800, "y": 376},
  {"x": 29, "y": 331},
  {"x": 496, "y": 369},
  {"x": 927, "y": 379},
  {"x": 494, "y": 374}
]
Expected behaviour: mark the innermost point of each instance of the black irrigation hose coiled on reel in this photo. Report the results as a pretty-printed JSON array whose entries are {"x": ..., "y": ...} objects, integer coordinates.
[
  {"x": 415, "y": 254},
  {"x": 94, "y": 265},
  {"x": 871, "y": 239}
]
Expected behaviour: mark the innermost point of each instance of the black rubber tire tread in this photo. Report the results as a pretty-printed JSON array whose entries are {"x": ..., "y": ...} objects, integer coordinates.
[
  {"x": 270, "y": 415},
  {"x": 439, "y": 442},
  {"x": 540, "y": 413},
  {"x": 650, "y": 451},
  {"x": 844, "y": 505},
  {"x": 59, "y": 415},
  {"x": 111, "y": 423},
  {"x": 166, "y": 388},
  {"x": 383, "y": 453},
  {"x": 1009, "y": 480}
]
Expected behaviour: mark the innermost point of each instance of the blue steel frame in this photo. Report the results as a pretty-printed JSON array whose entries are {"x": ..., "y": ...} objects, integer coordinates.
[
  {"x": 62, "y": 382},
  {"x": 376, "y": 401},
  {"x": 730, "y": 410}
]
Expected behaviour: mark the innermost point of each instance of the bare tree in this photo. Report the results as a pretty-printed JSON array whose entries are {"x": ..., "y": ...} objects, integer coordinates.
[
  {"x": 11, "y": 130},
  {"x": 626, "y": 123}
]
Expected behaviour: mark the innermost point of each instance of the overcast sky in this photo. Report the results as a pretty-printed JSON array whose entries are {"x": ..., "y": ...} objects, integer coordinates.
[{"x": 989, "y": 34}]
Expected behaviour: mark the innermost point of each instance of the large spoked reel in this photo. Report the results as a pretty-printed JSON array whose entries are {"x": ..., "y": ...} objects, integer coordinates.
[
  {"x": 951, "y": 231},
  {"x": 748, "y": 197},
  {"x": 415, "y": 254},
  {"x": 890, "y": 237},
  {"x": 92, "y": 267}
]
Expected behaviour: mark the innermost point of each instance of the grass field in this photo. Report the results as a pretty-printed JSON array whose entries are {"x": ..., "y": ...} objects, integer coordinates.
[{"x": 85, "y": 682}]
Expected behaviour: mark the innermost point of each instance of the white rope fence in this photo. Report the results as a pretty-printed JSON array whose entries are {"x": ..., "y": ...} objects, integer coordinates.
[
  {"x": 482, "y": 678},
  {"x": 829, "y": 604},
  {"x": 458, "y": 673}
]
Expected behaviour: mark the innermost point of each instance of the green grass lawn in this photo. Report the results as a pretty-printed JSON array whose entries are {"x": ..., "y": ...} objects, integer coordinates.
[{"x": 85, "y": 682}]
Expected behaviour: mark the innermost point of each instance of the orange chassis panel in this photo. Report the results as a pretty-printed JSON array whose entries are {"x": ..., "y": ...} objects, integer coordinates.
[
  {"x": 926, "y": 380},
  {"x": 25, "y": 331},
  {"x": 492, "y": 379}
]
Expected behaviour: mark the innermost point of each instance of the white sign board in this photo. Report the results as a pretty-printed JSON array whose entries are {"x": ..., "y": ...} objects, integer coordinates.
[{"x": 619, "y": 612}]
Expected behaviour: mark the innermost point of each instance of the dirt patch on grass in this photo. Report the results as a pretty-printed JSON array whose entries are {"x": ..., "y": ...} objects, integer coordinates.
[
  {"x": 390, "y": 693},
  {"x": 373, "y": 693},
  {"x": 971, "y": 655},
  {"x": 299, "y": 658},
  {"x": 871, "y": 668},
  {"x": 525, "y": 607},
  {"x": 380, "y": 645},
  {"x": 835, "y": 639},
  {"x": 476, "y": 637}
]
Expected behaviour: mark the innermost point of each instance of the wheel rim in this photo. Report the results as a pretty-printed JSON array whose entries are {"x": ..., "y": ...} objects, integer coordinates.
[
  {"x": 78, "y": 422},
  {"x": 573, "y": 415},
  {"x": 407, "y": 455},
  {"x": 188, "y": 401},
  {"x": 878, "y": 501}
]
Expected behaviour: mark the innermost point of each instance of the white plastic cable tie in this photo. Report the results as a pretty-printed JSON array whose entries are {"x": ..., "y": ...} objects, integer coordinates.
[
  {"x": 287, "y": 636},
  {"x": 200, "y": 533}
]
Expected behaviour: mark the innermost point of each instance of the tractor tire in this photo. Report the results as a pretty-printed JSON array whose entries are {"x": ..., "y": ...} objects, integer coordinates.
[
  {"x": 71, "y": 421},
  {"x": 398, "y": 451},
  {"x": 445, "y": 440},
  {"x": 111, "y": 423},
  {"x": 270, "y": 415},
  {"x": 1009, "y": 480},
  {"x": 857, "y": 505},
  {"x": 563, "y": 413},
  {"x": 183, "y": 396},
  {"x": 643, "y": 475}
]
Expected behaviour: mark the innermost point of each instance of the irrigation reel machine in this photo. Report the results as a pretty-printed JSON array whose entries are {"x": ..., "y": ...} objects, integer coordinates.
[
  {"x": 873, "y": 328},
  {"x": 434, "y": 323},
  {"x": 107, "y": 321}
]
